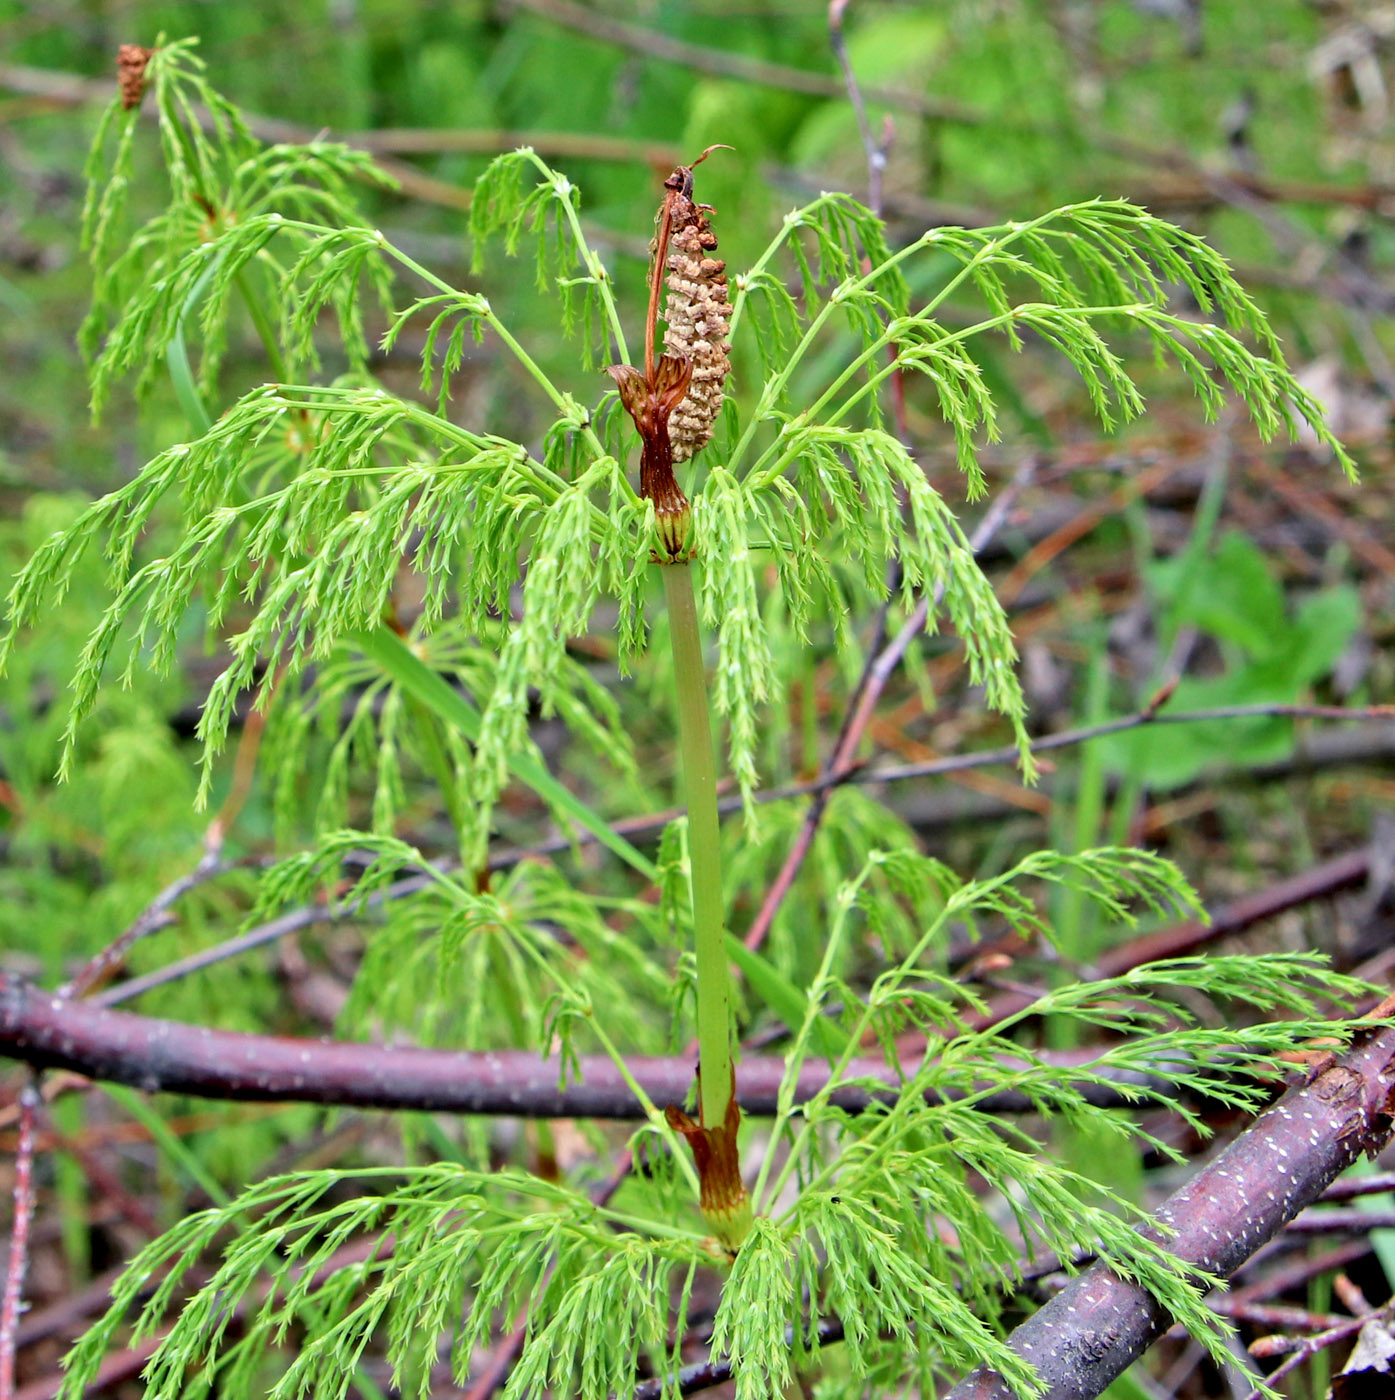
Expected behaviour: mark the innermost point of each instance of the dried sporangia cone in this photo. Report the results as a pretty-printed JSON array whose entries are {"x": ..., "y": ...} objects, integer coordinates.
[
  {"x": 698, "y": 313},
  {"x": 721, "y": 1193},
  {"x": 131, "y": 60},
  {"x": 674, "y": 401}
]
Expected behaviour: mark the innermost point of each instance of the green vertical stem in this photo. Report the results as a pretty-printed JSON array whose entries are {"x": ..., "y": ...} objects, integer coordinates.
[
  {"x": 704, "y": 847},
  {"x": 266, "y": 330}
]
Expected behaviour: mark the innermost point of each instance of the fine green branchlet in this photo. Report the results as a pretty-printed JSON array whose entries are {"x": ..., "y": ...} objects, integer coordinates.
[{"x": 280, "y": 531}]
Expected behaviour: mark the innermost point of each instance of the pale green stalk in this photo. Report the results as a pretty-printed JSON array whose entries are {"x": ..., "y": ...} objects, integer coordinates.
[
  {"x": 266, "y": 332},
  {"x": 704, "y": 847}
]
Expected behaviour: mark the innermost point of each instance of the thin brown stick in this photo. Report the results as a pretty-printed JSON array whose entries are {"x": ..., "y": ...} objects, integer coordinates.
[
  {"x": 1308, "y": 1347},
  {"x": 876, "y": 163},
  {"x": 296, "y": 920},
  {"x": 1377, "y": 1184},
  {"x": 18, "y": 1262},
  {"x": 723, "y": 63},
  {"x": 1341, "y": 1222},
  {"x": 155, "y": 916},
  {"x": 565, "y": 145},
  {"x": 873, "y": 148},
  {"x": 115, "y": 1370},
  {"x": 1297, "y": 1273},
  {"x": 1068, "y": 738},
  {"x": 880, "y": 665},
  {"x": 1273, "y": 1314}
]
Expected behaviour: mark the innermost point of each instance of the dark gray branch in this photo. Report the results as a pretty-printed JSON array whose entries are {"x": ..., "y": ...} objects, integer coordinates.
[{"x": 1092, "y": 1331}]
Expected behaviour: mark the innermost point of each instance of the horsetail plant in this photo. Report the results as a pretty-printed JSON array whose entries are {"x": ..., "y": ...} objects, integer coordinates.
[{"x": 280, "y": 529}]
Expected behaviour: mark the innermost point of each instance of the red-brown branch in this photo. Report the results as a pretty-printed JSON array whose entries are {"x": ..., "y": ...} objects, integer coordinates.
[
  {"x": 50, "y": 1032},
  {"x": 11, "y": 1305},
  {"x": 882, "y": 661}
]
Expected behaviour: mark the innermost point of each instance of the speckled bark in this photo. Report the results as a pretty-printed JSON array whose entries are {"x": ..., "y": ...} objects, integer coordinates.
[{"x": 1096, "y": 1327}]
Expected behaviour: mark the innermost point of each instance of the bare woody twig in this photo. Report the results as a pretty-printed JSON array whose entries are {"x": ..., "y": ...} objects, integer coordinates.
[
  {"x": 1086, "y": 1336},
  {"x": 582, "y": 19},
  {"x": 1068, "y": 738},
  {"x": 1377, "y": 1184},
  {"x": 881, "y": 663},
  {"x": 152, "y": 918},
  {"x": 875, "y": 148},
  {"x": 869, "y": 682},
  {"x": 293, "y": 921},
  {"x": 1304, "y": 1348},
  {"x": 70, "y": 89},
  {"x": 170, "y": 1056},
  {"x": 309, "y": 916},
  {"x": 11, "y": 1305}
]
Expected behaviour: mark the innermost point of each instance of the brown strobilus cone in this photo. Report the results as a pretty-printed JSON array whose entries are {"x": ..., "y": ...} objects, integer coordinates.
[
  {"x": 698, "y": 312},
  {"x": 131, "y": 60},
  {"x": 684, "y": 386}
]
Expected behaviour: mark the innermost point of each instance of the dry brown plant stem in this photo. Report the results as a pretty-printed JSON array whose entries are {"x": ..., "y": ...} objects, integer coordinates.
[
  {"x": 11, "y": 1305},
  {"x": 881, "y": 662}
]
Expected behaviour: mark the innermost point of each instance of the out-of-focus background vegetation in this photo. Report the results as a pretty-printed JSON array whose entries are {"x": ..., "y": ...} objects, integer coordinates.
[
  {"x": 1265, "y": 127},
  {"x": 1175, "y": 550}
]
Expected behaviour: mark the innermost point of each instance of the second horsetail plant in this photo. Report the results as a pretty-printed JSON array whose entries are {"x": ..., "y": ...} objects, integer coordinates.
[{"x": 399, "y": 591}]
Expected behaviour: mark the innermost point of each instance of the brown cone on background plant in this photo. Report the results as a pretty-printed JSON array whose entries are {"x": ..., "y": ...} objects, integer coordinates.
[
  {"x": 698, "y": 313},
  {"x": 131, "y": 60}
]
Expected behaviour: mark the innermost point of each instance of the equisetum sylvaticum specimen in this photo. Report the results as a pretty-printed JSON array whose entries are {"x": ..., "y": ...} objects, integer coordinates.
[
  {"x": 398, "y": 590},
  {"x": 674, "y": 404}
]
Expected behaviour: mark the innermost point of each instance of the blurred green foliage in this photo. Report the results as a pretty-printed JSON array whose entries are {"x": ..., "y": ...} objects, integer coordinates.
[
  {"x": 1048, "y": 102},
  {"x": 1008, "y": 109},
  {"x": 1271, "y": 652}
]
